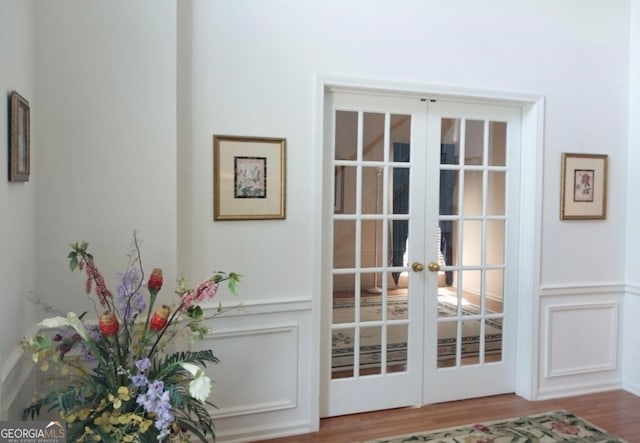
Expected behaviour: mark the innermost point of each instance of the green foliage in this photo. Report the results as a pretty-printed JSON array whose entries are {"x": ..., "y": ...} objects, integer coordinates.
[
  {"x": 105, "y": 392},
  {"x": 171, "y": 363},
  {"x": 232, "y": 279},
  {"x": 77, "y": 254}
]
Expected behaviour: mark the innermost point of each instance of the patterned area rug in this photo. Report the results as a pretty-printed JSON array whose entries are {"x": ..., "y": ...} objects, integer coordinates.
[
  {"x": 343, "y": 340},
  {"x": 550, "y": 427}
]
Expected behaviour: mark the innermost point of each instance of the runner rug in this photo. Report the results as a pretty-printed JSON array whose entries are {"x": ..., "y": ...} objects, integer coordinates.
[
  {"x": 343, "y": 339},
  {"x": 549, "y": 427}
]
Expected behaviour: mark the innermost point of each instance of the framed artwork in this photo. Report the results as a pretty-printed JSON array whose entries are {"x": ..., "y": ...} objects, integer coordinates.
[
  {"x": 584, "y": 187},
  {"x": 248, "y": 178},
  {"x": 19, "y": 138}
]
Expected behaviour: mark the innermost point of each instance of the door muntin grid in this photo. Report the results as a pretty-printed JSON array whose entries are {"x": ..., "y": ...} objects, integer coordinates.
[
  {"x": 472, "y": 227},
  {"x": 372, "y": 165}
]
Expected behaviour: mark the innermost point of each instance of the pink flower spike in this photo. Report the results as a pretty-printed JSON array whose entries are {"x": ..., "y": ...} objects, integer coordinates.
[{"x": 206, "y": 289}]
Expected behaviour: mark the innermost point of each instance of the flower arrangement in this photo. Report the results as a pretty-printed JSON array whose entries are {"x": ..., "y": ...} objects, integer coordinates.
[{"x": 121, "y": 384}]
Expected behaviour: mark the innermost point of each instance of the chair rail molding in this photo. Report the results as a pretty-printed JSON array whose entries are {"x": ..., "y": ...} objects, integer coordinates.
[{"x": 632, "y": 290}]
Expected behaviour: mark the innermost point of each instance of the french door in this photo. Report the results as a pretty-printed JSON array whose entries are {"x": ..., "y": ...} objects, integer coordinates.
[{"x": 419, "y": 263}]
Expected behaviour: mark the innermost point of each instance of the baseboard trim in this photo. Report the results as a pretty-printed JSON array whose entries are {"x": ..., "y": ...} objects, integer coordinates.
[
  {"x": 571, "y": 391},
  {"x": 632, "y": 388},
  {"x": 263, "y": 432}
]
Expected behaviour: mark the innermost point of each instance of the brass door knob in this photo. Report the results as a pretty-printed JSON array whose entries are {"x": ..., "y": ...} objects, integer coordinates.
[
  {"x": 417, "y": 266},
  {"x": 434, "y": 266}
]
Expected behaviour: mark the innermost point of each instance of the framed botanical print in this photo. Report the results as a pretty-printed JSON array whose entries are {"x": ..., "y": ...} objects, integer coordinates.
[
  {"x": 584, "y": 187},
  {"x": 19, "y": 138},
  {"x": 249, "y": 178}
]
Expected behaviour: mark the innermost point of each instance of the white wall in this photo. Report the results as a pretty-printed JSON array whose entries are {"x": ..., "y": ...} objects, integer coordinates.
[
  {"x": 127, "y": 91},
  {"x": 253, "y": 75},
  {"x": 632, "y": 301},
  {"x": 17, "y": 200},
  {"x": 254, "y": 64},
  {"x": 106, "y": 77}
]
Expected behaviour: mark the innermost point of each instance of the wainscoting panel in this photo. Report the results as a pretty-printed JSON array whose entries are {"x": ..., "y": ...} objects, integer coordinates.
[
  {"x": 261, "y": 386},
  {"x": 589, "y": 330},
  {"x": 17, "y": 382},
  {"x": 270, "y": 354},
  {"x": 580, "y": 343}
]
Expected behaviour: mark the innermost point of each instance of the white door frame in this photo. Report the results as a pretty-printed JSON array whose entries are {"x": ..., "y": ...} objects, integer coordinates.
[{"x": 528, "y": 271}]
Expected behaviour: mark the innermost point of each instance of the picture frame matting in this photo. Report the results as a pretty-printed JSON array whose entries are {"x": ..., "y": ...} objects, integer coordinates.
[
  {"x": 584, "y": 187},
  {"x": 249, "y": 178}
]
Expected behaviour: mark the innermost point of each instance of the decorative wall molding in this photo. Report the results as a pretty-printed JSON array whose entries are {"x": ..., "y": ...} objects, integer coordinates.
[
  {"x": 261, "y": 306},
  {"x": 281, "y": 398},
  {"x": 582, "y": 289},
  {"x": 276, "y": 341},
  {"x": 14, "y": 380},
  {"x": 604, "y": 357},
  {"x": 285, "y": 328},
  {"x": 632, "y": 290},
  {"x": 580, "y": 339},
  {"x": 278, "y": 415},
  {"x": 17, "y": 372}
]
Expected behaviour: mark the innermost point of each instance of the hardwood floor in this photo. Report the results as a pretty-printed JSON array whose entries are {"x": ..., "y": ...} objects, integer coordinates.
[{"x": 615, "y": 411}]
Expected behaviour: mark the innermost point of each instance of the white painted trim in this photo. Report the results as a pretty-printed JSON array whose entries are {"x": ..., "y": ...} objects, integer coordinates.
[
  {"x": 407, "y": 89},
  {"x": 582, "y": 389},
  {"x": 581, "y": 289},
  {"x": 527, "y": 360},
  {"x": 262, "y": 432},
  {"x": 317, "y": 225},
  {"x": 632, "y": 290},
  {"x": 259, "y": 306},
  {"x": 323, "y": 229},
  {"x": 634, "y": 388},
  {"x": 17, "y": 369},
  {"x": 16, "y": 373},
  {"x": 271, "y": 406},
  {"x": 527, "y": 366},
  {"x": 611, "y": 365},
  {"x": 257, "y": 408},
  {"x": 245, "y": 332}
]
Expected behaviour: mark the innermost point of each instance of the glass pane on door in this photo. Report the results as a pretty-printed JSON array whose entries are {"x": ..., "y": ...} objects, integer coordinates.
[
  {"x": 370, "y": 236},
  {"x": 472, "y": 241}
]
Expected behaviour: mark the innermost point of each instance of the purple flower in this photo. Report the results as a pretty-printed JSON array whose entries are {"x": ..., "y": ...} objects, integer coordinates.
[
  {"x": 157, "y": 386},
  {"x": 139, "y": 380},
  {"x": 163, "y": 420},
  {"x": 130, "y": 303},
  {"x": 143, "y": 364},
  {"x": 157, "y": 401},
  {"x": 94, "y": 332}
]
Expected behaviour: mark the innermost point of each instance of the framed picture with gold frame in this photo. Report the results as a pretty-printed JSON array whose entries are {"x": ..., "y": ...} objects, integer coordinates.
[
  {"x": 584, "y": 187},
  {"x": 248, "y": 178},
  {"x": 19, "y": 138}
]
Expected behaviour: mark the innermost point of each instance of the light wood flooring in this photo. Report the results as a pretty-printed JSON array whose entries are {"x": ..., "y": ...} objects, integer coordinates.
[{"x": 616, "y": 411}]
